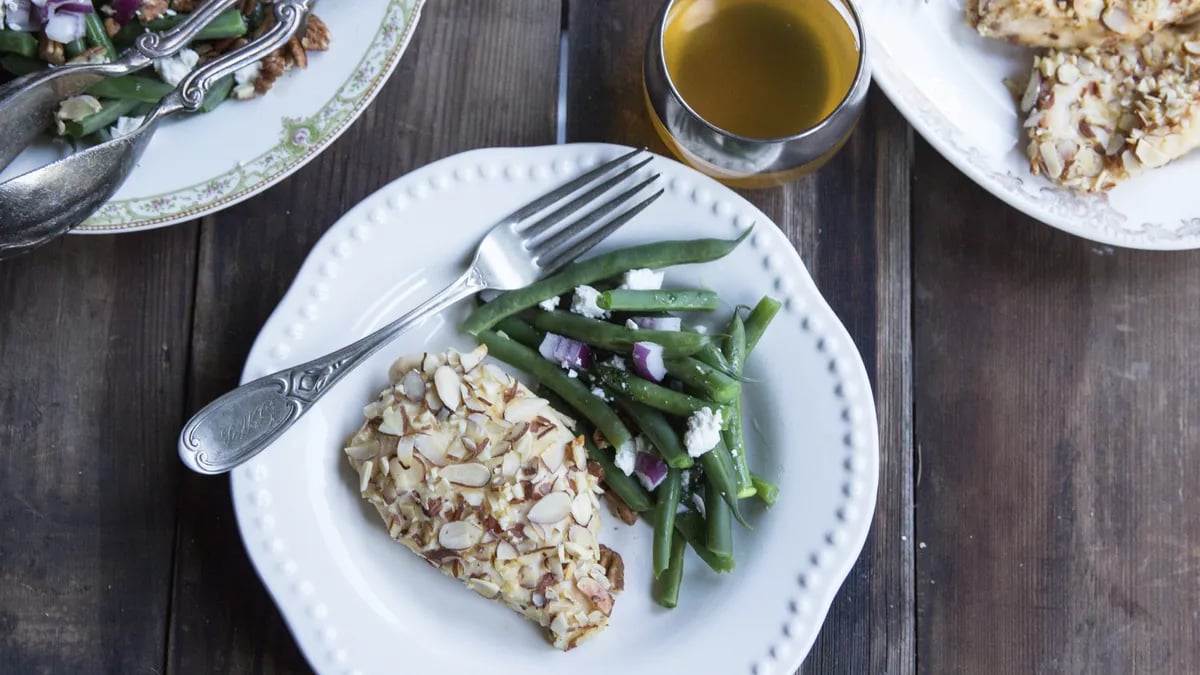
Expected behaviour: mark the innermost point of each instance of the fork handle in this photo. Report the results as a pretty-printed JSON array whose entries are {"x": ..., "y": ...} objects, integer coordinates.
[{"x": 240, "y": 424}]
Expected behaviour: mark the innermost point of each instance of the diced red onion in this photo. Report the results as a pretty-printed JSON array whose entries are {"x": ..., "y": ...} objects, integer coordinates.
[
  {"x": 123, "y": 10},
  {"x": 672, "y": 323},
  {"x": 648, "y": 361},
  {"x": 650, "y": 469},
  {"x": 565, "y": 352}
]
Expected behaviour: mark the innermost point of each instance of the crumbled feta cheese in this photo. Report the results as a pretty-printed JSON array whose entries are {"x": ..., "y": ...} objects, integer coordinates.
[
  {"x": 584, "y": 303},
  {"x": 643, "y": 280},
  {"x": 701, "y": 329},
  {"x": 600, "y": 394},
  {"x": 631, "y": 324},
  {"x": 698, "y": 502},
  {"x": 550, "y": 304},
  {"x": 617, "y": 362},
  {"x": 703, "y": 431},
  {"x": 74, "y": 109},
  {"x": 126, "y": 126},
  {"x": 244, "y": 79},
  {"x": 626, "y": 458},
  {"x": 572, "y": 373},
  {"x": 685, "y": 477},
  {"x": 172, "y": 69}
]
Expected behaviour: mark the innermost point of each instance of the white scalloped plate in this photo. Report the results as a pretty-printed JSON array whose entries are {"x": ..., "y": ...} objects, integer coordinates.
[
  {"x": 358, "y": 602},
  {"x": 199, "y": 164},
  {"x": 948, "y": 81}
]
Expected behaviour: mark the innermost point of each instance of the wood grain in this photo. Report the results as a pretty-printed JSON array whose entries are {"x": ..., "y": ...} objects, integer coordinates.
[
  {"x": 478, "y": 74},
  {"x": 1058, "y": 422},
  {"x": 93, "y": 349},
  {"x": 850, "y": 224}
]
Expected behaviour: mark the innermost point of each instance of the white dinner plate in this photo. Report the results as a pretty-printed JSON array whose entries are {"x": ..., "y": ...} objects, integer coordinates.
[
  {"x": 948, "y": 81},
  {"x": 358, "y": 602},
  {"x": 199, "y": 164}
]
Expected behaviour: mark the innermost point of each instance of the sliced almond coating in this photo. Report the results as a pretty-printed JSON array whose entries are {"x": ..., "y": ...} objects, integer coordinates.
[
  {"x": 551, "y": 509},
  {"x": 581, "y": 508},
  {"x": 447, "y": 383},
  {"x": 413, "y": 386},
  {"x": 471, "y": 359},
  {"x": 470, "y": 475},
  {"x": 393, "y": 422},
  {"x": 524, "y": 409},
  {"x": 459, "y": 534},
  {"x": 484, "y": 587}
]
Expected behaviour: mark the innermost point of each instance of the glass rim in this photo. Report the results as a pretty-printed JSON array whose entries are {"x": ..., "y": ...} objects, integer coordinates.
[{"x": 859, "y": 74}]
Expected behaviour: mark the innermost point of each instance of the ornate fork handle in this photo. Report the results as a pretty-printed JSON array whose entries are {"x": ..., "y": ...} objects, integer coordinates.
[{"x": 240, "y": 424}]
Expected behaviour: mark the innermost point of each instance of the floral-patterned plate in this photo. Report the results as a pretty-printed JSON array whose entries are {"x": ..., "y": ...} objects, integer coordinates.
[
  {"x": 948, "y": 81},
  {"x": 199, "y": 164}
]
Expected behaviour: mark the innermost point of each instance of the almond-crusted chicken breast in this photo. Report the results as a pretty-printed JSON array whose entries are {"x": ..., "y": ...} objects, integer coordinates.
[
  {"x": 488, "y": 483},
  {"x": 1075, "y": 23},
  {"x": 1104, "y": 114}
]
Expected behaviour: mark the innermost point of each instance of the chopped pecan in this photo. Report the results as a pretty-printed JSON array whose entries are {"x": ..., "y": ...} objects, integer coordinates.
[
  {"x": 247, "y": 7},
  {"x": 152, "y": 9},
  {"x": 185, "y": 5},
  {"x": 620, "y": 509},
  {"x": 316, "y": 36},
  {"x": 594, "y": 468},
  {"x": 52, "y": 52},
  {"x": 297, "y": 53},
  {"x": 272, "y": 68},
  {"x": 111, "y": 26},
  {"x": 91, "y": 55},
  {"x": 611, "y": 561}
]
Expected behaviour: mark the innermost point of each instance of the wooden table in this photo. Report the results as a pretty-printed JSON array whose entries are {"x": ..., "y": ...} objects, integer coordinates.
[{"x": 1038, "y": 397}]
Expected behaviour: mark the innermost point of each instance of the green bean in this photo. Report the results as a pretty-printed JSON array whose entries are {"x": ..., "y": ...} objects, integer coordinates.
[
  {"x": 18, "y": 42},
  {"x": 228, "y": 24},
  {"x": 75, "y": 48},
  {"x": 712, "y": 355},
  {"x": 135, "y": 87},
  {"x": 217, "y": 95},
  {"x": 718, "y": 469},
  {"x": 667, "y": 495},
  {"x": 21, "y": 65},
  {"x": 656, "y": 255},
  {"x": 692, "y": 527},
  {"x": 627, "y": 488},
  {"x": 666, "y": 590},
  {"x": 97, "y": 35},
  {"x": 624, "y": 300},
  {"x": 107, "y": 116},
  {"x": 616, "y": 338},
  {"x": 758, "y": 320},
  {"x": 520, "y": 331},
  {"x": 128, "y": 34},
  {"x": 704, "y": 379},
  {"x": 767, "y": 492},
  {"x": 735, "y": 353},
  {"x": 720, "y": 527},
  {"x": 654, "y": 395},
  {"x": 658, "y": 431},
  {"x": 553, "y": 377}
]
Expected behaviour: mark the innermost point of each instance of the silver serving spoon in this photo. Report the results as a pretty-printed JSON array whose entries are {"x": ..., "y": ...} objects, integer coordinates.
[
  {"x": 43, "y": 204},
  {"x": 27, "y": 104}
]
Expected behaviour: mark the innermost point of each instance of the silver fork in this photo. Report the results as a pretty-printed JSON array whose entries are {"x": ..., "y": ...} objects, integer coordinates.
[{"x": 526, "y": 245}]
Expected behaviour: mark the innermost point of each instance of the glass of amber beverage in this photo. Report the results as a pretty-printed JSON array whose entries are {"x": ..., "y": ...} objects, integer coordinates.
[{"x": 756, "y": 92}]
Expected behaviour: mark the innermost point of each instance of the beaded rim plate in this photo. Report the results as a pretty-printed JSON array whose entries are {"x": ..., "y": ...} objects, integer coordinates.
[
  {"x": 950, "y": 85},
  {"x": 201, "y": 164},
  {"x": 358, "y": 602}
]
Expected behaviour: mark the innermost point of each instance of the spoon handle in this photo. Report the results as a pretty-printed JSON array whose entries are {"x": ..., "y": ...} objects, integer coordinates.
[
  {"x": 166, "y": 43},
  {"x": 290, "y": 18}
]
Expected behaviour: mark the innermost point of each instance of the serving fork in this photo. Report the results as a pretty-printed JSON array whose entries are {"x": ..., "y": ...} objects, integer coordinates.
[{"x": 524, "y": 246}]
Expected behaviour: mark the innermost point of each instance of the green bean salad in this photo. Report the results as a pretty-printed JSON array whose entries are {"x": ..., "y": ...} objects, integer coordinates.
[
  {"x": 40, "y": 34},
  {"x": 659, "y": 402}
]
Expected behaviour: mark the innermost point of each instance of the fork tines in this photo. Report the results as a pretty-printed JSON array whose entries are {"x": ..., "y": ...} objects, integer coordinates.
[{"x": 555, "y": 239}]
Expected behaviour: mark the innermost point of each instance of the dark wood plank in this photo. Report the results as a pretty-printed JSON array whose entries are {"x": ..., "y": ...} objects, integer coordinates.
[
  {"x": 478, "y": 74},
  {"x": 93, "y": 349},
  {"x": 1058, "y": 418},
  {"x": 850, "y": 223}
]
